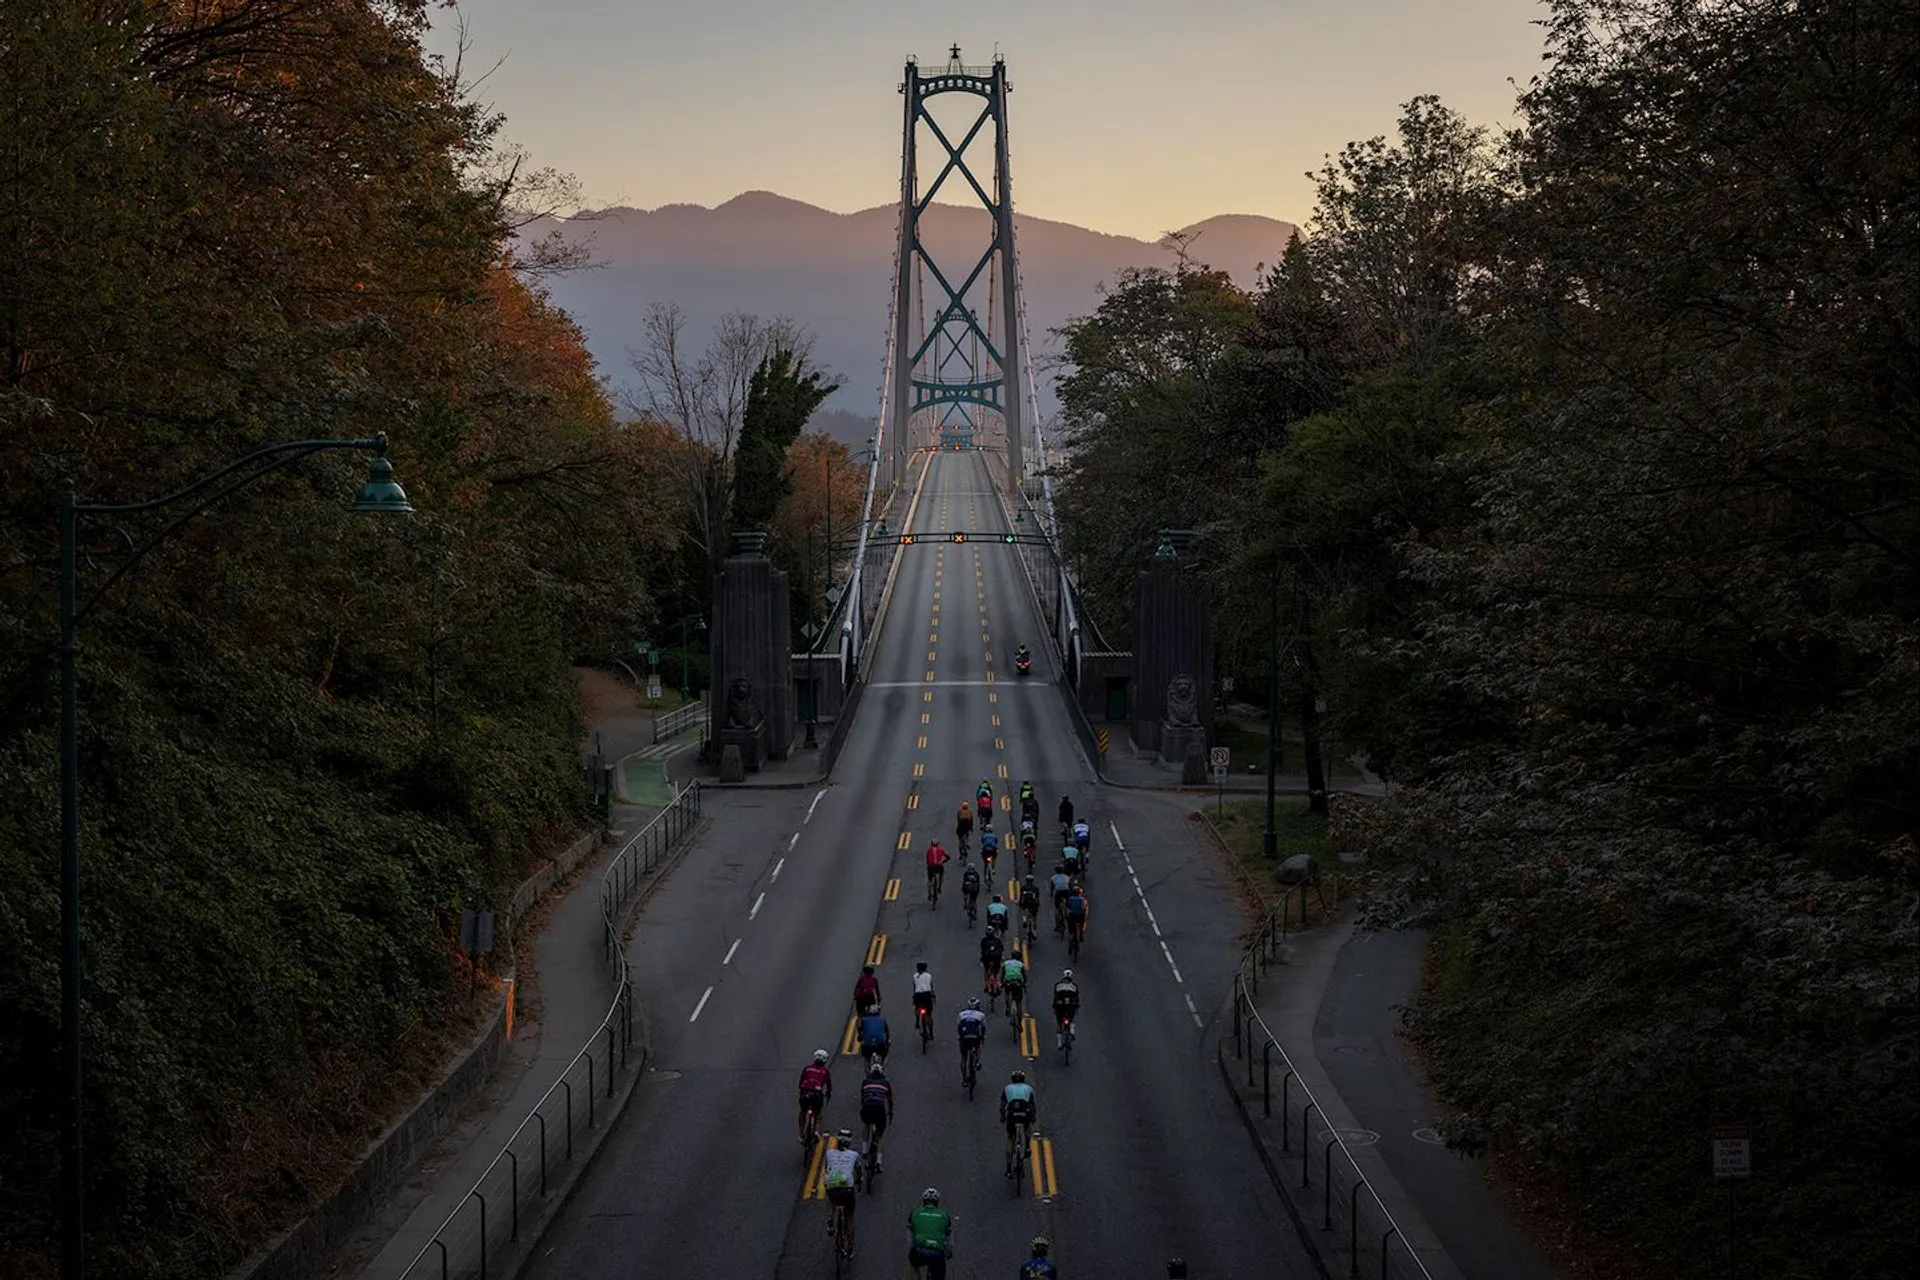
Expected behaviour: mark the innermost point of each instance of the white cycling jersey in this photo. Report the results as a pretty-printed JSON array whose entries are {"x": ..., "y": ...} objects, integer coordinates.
[
  {"x": 922, "y": 984},
  {"x": 838, "y": 1167},
  {"x": 973, "y": 1024}
]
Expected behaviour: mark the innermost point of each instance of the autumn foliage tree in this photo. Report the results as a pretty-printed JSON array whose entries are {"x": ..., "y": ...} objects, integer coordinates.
[{"x": 306, "y": 739}]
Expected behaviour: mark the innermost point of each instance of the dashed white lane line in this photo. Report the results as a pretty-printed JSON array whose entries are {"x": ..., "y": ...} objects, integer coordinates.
[
  {"x": 775, "y": 877},
  {"x": 755, "y": 909},
  {"x": 816, "y": 800},
  {"x": 704, "y": 996},
  {"x": 792, "y": 841},
  {"x": 729, "y": 956},
  {"x": 1153, "y": 920}
]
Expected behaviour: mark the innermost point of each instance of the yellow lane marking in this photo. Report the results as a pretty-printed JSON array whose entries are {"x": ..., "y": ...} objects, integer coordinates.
[
  {"x": 936, "y": 593},
  {"x": 929, "y": 675},
  {"x": 999, "y": 744},
  {"x": 927, "y": 696},
  {"x": 1046, "y": 1184},
  {"x": 996, "y": 721},
  {"x": 933, "y": 637},
  {"x": 813, "y": 1189},
  {"x": 990, "y": 680},
  {"x": 936, "y": 608},
  {"x": 913, "y": 801},
  {"x": 989, "y": 660},
  {"x": 920, "y": 771},
  {"x": 930, "y": 652},
  {"x": 926, "y": 717},
  {"x": 992, "y": 697},
  {"x": 1029, "y": 1038},
  {"x": 877, "y": 949},
  {"x": 906, "y": 838},
  {"x": 1003, "y": 772},
  {"x": 923, "y": 742},
  {"x": 893, "y": 890},
  {"x": 1013, "y": 891},
  {"x": 847, "y": 1040}
]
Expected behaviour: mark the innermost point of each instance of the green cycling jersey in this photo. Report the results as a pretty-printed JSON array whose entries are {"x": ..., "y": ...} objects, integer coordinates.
[
  {"x": 1013, "y": 971},
  {"x": 931, "y": 1227}
]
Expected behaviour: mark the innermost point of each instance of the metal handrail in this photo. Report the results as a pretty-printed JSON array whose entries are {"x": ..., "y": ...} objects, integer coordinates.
[
  {"x": 454, "y": 1248},
  {"x": 674, "y": 721},
  {"x": 1246, "y": 982}
]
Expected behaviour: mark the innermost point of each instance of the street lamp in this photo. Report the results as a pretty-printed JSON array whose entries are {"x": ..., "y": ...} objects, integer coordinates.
[
  {"x": 686, "y": 680},
  {"x": 1269, "y": 839},
  {"x": 380, "y": 494}
]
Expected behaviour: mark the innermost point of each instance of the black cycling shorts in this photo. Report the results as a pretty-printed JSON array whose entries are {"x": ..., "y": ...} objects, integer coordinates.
[
  {"x": 875, "y": 1116},
  {"x": 922, "y": 1000},
  {"x": 842, "y": 1196},
  {"x": 812, "y": 1099}
]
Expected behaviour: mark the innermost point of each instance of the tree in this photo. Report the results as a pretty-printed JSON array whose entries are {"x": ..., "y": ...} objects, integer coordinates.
[{"x": 781, "y": 397}]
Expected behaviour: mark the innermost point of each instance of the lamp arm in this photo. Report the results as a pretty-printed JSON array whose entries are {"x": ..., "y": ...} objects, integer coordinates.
[{"x": 275, "y": 456}]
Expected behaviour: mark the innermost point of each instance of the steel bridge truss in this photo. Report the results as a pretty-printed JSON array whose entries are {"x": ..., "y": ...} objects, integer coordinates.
[{"x": 989, "y": 363}]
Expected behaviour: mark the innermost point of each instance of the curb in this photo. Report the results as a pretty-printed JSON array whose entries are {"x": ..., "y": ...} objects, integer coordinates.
[{"x": 1310, "y": 1238}]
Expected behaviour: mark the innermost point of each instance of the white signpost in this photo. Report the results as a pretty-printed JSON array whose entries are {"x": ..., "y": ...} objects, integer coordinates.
[
  {"x": 1217, "y": 758},
  {"x": 1732, "y": 1151}
]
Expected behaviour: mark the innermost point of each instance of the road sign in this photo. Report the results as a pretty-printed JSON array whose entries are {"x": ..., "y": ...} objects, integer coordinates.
[
  {"x": 653, "y": 686},
  {"x": 1732, "y": 1151},
  {"x": 1219, "y": 774},
  {"x": 476, "y": 931},
  {"x": 1220, "y": 758}
]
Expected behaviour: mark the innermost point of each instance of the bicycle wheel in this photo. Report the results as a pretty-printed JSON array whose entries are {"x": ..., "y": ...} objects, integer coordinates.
[
  {"x": 1073, "y": 944},
  {"x": 1021, "y": 1141},
  {"x": 1066, "y": 1043}
]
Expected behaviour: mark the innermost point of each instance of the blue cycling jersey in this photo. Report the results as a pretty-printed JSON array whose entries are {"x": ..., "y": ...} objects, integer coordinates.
[
  {"x": 989, "y": 843},
  {"x": 1038, "y": 1269},
  {"x": 1077, "y": 906},
  {"x": 996, "y": 908},
  {"x": 873, "y": 1031},
  {"x": 1061, "y": 882},
  {"x": 1018, "y": 1095},
  {"x": 973, "y": 1024}
]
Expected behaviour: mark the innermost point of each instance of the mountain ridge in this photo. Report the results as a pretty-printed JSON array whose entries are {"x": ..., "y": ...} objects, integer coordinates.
[{"x": 763, "y": 252}]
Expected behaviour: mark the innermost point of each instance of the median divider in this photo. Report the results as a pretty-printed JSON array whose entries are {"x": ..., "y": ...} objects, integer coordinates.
[{"x": 488, "y": 1235}]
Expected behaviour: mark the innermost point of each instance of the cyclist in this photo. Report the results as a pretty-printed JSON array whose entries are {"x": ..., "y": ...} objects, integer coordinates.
[
  {"x": 936, "y": 868},
  {"x": 1066, "y": 816},
  {"x": 1058, "y": 884},
  {"x": 876, "y": 1109},
  {"x": 1082, "y": 835},
  {"x": 989, "y": 849},
  {"x": 836, "y": 1178},
  {"x": 972, "y": 1031},
  {"x": 983, "y": 801},
  {"x": 866, "y": 991},
  {"x": 922, "y": 994},
  {"x": 1013, "y": 980},
  {"x": 1027, "y": 841},
  {"x": 963, "y": 826},
  {"x": 969, "y": 886},
  {"x": 932, "y": 1230},
  {"x": 1066, "y": 1004},
  {"x": 1077, "y": 912},
  {"x": 875, "y": 1037},
  {"x": 816, "y": 1088},
  {"x": 1017, "y": 1107},
  {"x": 1037, "y": 1267},
  {"x": 1070, "y": 858},
  {"x": 1029, "y": 803},
  {"x": 991, "y": 949},
  {"x": 997, "y": 915},
  {"x": 1030, "y": 904}
]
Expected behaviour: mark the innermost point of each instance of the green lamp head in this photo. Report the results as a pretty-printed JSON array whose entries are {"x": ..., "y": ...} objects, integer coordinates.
[{"x": 382, "y": 493}]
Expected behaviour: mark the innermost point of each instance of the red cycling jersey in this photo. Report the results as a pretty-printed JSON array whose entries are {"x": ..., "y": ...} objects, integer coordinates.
[
  {"x": 936, "y": 856},
  {"x": 814, "y": 1078},
  {"x": 866, "y": 989}
]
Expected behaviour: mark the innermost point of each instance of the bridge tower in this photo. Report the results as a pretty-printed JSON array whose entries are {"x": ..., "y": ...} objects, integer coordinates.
[{"x": 925, "y": 381}]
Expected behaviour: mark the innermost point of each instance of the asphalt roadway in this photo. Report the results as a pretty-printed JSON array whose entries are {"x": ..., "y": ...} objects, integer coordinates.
[{"x": 746, "y": 957}]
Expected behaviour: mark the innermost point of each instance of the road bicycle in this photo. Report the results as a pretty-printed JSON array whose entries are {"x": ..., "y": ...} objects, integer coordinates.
[
  {"x": 810, "y": 1133},
  {"x": 972, "y": 901},
  {"x": 934, "y": 876},
  {"x": 1030, "y": 925},
  {"x": 964, "y": 838},
  {"x": 1066, "y": 1038},
  {"x": 1076, "y": 932},
  {"x": 1016, "y": 1007},
  {"x": 992, "y": 984},
  {"x": 843, "y": 1232},
  {"x": 1022, "y": 1136},
  {"x": 923, "y": 1019},
  {"x": 970, "y": 1072}
]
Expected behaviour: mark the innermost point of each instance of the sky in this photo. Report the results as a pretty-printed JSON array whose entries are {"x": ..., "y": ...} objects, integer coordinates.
[{"x": 1134, "y": 117}]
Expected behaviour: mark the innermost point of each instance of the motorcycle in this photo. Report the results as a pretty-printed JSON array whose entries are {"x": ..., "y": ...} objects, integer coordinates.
[{"x": 1023, "y": 664}]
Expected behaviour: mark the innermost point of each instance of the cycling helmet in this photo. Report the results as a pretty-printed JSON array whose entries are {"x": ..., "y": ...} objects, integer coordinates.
[
  {"x": 845, "y": 1136},
  {"x": 1018, "y": 1077},
  {"x": 867, "y": 969},
  {"x": 1039, "y": 1246},
  {"x": 1066, "y": 975},
  {"x": 973, "y": 1002},
  {"x": 821, "y": 1055},
  {"x": 930, "y": 1196},
  {"x": 876, "y": 1069},
  {"x": 920, "y": 966}
]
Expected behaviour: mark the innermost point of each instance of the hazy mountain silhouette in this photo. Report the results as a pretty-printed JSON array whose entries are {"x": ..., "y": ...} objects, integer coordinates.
[{"x": 832, "y": 272}]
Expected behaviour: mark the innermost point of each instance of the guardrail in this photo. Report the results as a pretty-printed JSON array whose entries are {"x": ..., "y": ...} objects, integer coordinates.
[
  {"x": 541, "y": 1153},
  {"x": 693, "y": 713},
  {"x": 1348, "y": 1201}
]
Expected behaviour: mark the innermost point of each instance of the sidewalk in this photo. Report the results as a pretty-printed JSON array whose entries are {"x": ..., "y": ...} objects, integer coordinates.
[
  {"x": 1331, "y": 999},
  {"x": 1125, "y": 765}
]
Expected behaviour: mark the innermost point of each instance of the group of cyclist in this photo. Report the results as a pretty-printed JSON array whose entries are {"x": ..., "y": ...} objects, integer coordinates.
[{"x": 1005, "y": 972}]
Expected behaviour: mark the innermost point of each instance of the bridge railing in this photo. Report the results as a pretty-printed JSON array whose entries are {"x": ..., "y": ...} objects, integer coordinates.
[
  {"x": 549, "y": 1146},
  {"x": 1348, "y": 1206}
]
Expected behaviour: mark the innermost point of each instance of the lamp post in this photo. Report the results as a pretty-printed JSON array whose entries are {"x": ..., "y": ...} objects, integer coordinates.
[
  {"x": 379, "y": 494},
  {"x": 813, "y": 690},
  {"x": 1269, "y": 839},
  {"x": 686, "y": 678}
]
